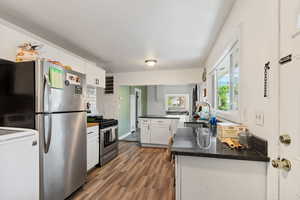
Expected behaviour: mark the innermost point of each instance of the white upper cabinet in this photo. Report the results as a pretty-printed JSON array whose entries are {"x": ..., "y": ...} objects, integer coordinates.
[
  {"x": 101, "y": 77},
  {"x": 95, "y": 75}
]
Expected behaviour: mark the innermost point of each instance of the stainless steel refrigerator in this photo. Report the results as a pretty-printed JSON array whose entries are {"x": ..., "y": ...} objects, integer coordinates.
[{"x": 48, "y": 98}]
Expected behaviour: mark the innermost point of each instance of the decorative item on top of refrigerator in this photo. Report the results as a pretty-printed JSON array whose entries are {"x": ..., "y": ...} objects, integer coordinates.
[{"x": 28, "y": 52}]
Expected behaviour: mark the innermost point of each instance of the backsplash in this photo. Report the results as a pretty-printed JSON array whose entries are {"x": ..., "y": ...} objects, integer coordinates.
[
  {"x": 91, "y": 98},
  {"x": 259, "y": 144}
]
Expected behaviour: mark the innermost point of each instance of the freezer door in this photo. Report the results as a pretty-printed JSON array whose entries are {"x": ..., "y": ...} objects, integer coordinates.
[
  {"x": 71, "y": 97},
  {"x": 17, "y": 94},
  {"x": 63, "y": 152}
]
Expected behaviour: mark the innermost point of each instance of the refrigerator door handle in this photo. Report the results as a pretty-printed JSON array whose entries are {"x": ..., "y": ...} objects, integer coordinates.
[
  {"x": 48, "y": 88},
  {"x": 48, "y": 140},
  {"x": 49, "y": 134}
]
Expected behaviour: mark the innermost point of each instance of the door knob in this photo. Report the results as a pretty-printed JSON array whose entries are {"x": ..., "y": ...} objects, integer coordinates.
[
  {"x": 285, "y": 139},
  {"x": 34, "y": 143},
  {"x": 282, "y": 164},
  {"x": 276, "y": 163},
  {"x": 286, "y": 164}
]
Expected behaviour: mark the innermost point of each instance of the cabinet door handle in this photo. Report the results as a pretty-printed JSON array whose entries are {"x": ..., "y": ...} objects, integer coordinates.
[{"x": 34, "y": 143}]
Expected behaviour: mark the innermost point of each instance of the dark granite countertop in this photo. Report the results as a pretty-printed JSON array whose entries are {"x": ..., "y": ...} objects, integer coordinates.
[
  {"x": 185, "y": 144},
  {"x": 159, "y": 117}
]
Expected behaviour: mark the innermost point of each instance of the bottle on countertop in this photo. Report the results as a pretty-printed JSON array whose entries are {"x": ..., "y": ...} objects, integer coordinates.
[
  {"x": 213, "y": 123},
  {"x": 244, "y": 138}
]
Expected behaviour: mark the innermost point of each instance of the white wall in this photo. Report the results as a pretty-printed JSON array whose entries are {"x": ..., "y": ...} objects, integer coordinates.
[
  {"x": 256, "y": 23},
  {"x": 155, "y": 77},
  {"x": 11, "y": 36},
  {"x": 158, "y": 77},
  {"x": 156, "y": 97}
]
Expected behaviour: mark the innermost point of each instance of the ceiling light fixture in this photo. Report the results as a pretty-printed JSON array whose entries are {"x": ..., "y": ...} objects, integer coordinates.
[{"x": 151, "y": 63}]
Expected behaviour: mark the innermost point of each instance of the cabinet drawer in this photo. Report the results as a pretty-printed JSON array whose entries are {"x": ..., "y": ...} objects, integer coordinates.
[
  {"x": 92, "y": 136},
  {"x": 93, "y": 130},
  {"x": 160, "y": 122},
  {"x": 144, "y": 121}
]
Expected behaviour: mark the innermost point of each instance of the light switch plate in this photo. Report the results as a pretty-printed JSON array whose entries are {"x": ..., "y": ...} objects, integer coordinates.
[{"x": 259, "y": 117}]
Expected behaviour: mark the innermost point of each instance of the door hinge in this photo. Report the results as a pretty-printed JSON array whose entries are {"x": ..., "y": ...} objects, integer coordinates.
[{"x": 285, "y": 59}]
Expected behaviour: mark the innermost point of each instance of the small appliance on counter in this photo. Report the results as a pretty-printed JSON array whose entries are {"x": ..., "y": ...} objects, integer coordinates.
[{"x": 109, "y": 141}]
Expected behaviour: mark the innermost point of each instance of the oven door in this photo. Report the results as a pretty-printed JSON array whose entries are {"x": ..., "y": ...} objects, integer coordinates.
[{"x": 109, "y": 139}]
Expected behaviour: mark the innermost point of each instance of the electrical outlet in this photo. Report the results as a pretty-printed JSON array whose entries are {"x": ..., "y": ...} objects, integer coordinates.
[{"x": 259, "y": 117}]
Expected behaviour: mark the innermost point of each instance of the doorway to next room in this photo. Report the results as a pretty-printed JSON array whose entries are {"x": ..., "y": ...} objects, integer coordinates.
[{"x": 132, "y": 105}]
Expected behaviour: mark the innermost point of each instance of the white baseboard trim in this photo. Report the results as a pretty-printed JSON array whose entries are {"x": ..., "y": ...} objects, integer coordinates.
[
  {"x": 154, "y": 145},
  {"x": 124, "y": 136}
]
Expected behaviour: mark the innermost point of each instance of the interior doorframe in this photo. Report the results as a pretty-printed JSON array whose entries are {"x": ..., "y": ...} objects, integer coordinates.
[
  {"x": 138, "y": 105},
  {"x": 132, "y": 113},
  {"x": 273, "y": 175}
]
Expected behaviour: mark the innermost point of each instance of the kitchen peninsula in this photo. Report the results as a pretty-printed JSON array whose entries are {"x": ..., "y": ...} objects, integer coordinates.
[{"x": 206, "y": 173}]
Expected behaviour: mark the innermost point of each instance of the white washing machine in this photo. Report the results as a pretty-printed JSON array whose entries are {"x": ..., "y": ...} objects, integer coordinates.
[{"x": 19, "y": 164}]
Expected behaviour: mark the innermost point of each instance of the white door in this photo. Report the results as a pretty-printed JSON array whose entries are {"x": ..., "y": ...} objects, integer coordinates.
[
  {"x": 138, "y": 94},
  {"x": 132, "y": 112},
  {"x": 289, "y": 180},
  {"x": 138, "y": 104}
]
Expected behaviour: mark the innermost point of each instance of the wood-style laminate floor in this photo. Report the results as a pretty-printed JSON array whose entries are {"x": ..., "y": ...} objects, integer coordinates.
[{"x": 136, "y": 174}]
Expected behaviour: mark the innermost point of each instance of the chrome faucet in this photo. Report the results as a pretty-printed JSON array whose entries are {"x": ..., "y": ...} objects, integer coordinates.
[{"x": 203, "y": 103}]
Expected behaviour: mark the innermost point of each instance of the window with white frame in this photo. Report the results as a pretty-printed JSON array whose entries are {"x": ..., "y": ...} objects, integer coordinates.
[
  {"x": 177, "y": 102},
  {"x": 225, "y": 81}
]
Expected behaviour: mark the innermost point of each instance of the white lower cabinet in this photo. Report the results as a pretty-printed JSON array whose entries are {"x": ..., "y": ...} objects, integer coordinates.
[
  {"x": 92, "y": 147},
  {"x": 215, "y": 179},
  {"x": 19, "y": 168},
  {"x": 160, "y": 131},
  {"x": 157, "y": 131},
  {"x": 145, "y": 131}
]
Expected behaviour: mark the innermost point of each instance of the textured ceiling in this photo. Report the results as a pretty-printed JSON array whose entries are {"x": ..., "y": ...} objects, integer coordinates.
[{"x": 179, "y": 34}]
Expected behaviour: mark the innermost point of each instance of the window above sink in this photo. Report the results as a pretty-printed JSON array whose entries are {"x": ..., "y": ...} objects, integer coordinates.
[{"x": 177, "y": 102}]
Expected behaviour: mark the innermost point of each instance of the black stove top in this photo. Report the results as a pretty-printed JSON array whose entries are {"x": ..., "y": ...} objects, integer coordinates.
[
  {"x": 103, "y": 123},
  {"x": 107, "y": 123}
]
